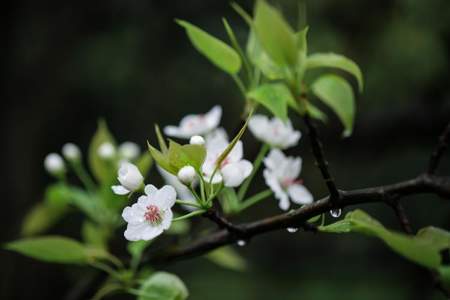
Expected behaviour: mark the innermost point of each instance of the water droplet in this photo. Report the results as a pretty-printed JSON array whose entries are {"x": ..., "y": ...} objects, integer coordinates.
[
  {"x": 292, "y": 229},
  {"x": 336, "y": 213},
  {"x": 241, "y": 243}
]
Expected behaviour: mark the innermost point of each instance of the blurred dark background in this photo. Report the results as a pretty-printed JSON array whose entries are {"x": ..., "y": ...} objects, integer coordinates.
[{"x": 67, "y": 63}]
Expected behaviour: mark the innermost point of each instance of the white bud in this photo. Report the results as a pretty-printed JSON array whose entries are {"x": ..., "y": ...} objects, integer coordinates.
[
  {"x": 130, "y": 177},
  {"x": 129, "y": 150},
  {"x": 71, "y": 152},
  {"x": 106, "y": 151},
  {"x": 187, "y": 174},
  {"x": 197, "y": 140},
  {"x": 54, "y": 163}
]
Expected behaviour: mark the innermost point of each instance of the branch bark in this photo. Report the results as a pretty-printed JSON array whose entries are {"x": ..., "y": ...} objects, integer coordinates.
[
  {"x": 424, "y": 183},
  {"x": 438, "y": 152}
]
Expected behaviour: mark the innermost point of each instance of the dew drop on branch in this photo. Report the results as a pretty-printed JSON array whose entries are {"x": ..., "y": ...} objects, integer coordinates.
[
  {"x": 336, "y": 213},
  {"x": 292, "y": 229}
]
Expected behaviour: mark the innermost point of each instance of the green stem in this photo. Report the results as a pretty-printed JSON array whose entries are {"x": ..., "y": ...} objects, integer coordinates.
[
  {"x": 81, "y": 172},
  {"x": 199, "y": 200},
  {"x": 240, "y": 85},
  {"x": 188, "y": 203},
  {"x": 189, "y": 215},
  {"x": 214, "y": 195},
  {"x": 256, "y": 164},
  {"x": 255, "y": 199}
]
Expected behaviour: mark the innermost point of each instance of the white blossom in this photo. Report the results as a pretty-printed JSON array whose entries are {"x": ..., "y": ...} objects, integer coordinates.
[
  {"x": 233, "y": 170},
  {"x": 130, "y": 179},
  {"x": 274, "y": 131},
  {"x": 187, "y": 174},
  {"x": 54, "y": 164},
  {"x": 106, "y": 151},
  {"x": 197, "y": 140},
  {"x": 182, "y": 191},
  {"x": 129, "y": 150},
  {"x": 192, "y": 125},
  {"x": 281, "y": 175},
  {"x": 71, "y": 152},
  {"x": 151, "y": 215}
]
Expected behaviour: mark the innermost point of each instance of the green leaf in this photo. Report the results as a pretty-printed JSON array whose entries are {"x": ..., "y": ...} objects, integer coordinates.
[
  {"x": 315, "y": 112},
  {"x": 183, "y": 155},
  {"x": 163, "y": 286},
  {"x": 95, "y": 235},
  {"x": 335, "y": 92},
  {"x": 162, "y": 160},
  {"x": 228, "y": 258},
  {"x": 41, "y": 217},
  {"x": 218, "y": 52},
  {"x": 436, "y": 236},
  {"x": 229, "y": 200},
  {"x": 274, "y": 96},
  {"x": 444, "y": 276},
  {"x": 275, "y": 34},
  {"x": 161, "y": 141},
  {"x": 51, "y": 249},
  {"x": 102, "y": 170},
  {"x": 137, "y": 248},
  {"x": 332, "y": 60}
]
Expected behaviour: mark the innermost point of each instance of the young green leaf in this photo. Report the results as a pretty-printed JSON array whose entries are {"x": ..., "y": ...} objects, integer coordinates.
[
  {"x": 94, "y": 235},
  {"x": 183, "y": 155},
  {"x": 218, "y": 52},
  {"x": 161, "y": 140},
  {"x": 335, "y": 92},
  {"x": 41, "y": 217},
  {"x": 163, "y": 286},
  {"x": 228, "y": 258},
  {"x": 274, "y": 96},
  {"x": 275, "y": 34},
  {"x": 315, "y": 112},
  {"x": 51, "y": 249},
  {"x": 101, "y": 169},
  {"x": 162, "y": 160},
  {"x": 332, "y": 60}
]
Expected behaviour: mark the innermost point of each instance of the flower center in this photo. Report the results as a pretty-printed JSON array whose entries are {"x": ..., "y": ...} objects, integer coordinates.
[
  {"x": 286, "y": 182},
  {"x": 153, "y": 214}
]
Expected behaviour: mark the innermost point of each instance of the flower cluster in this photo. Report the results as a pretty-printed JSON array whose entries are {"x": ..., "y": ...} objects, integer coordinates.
[{"x": 212, "y": 163}]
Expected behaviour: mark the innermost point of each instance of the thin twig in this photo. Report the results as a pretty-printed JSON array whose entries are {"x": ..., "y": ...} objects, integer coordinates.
[
  {"x": 402, "y": 217},
  {"x": 321, "y": 161},
  {"x": 438, "y": 152},
  {"x": 214, "y": 215}
]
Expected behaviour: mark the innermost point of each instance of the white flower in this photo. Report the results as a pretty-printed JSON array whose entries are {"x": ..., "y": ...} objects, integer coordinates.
[
  {"x": 106, "y": 151},
  {"x": 182, "y": 191},
  {"x": 54, "y": 163},
  {"x": 197, "y": 140},
  {"x": 151, "y": 215},
  {"x": 71, "y": 152},
  {"x": 274, "y": 132},
  {"x": 187, "y": 174},
  {"x": 129, "y": 150},
  {"x": 130, "y": 179},
  {"x": 196, "y": 124},
  {"x": 233, "y": 170},
  {"x": 281, "y": 176}
]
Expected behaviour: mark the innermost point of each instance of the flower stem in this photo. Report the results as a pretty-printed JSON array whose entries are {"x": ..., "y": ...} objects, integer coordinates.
[
  {"x": 257, "y": 163},
  {"x": 83, "y": 175},
  {"x": 188, "y": 203},
  {"x": 255, "y": 199},
  {"x": 189, "y": 215}
]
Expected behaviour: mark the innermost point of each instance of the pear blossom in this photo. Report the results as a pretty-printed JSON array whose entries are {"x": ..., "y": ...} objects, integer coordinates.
[
  {"x": 54, "y": 164},
  {"x": 192, "y": 125},
  {"x": 281, "y": 174},
  {"x": 130, "y": 179},
  {"x": 182, "y": 191},
  {"x": 274, "y": 131},
  {"x": 151, "y": 214},
  {"x": 197, "y": 140},
  {"x": 106, "y": 151},
  {"x": 71, "y": 152},
  {"x": 187, "y": 174},
  {"x": 129, "y": 150},
  {"x": 233, "y": 170}
]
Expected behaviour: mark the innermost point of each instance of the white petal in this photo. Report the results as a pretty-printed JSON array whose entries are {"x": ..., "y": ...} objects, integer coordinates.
[
  {"x": 218, "y": 134},
  {"x": 134, "y": 232},
  {"x": 130, "y": 176},
  {"x": 236, "y": 153},
  {"x": 272, "y": 181},
  {"x": 235, "y": 173},
  {"x": 174, "y": 132},
  {"x": 167, "y": 219},
  {"x": 182, "y": 191},
  {"x": 150, "y": 232},
  {"x": 274, "y": 159},
  {"x": 144, "y": 201},
  {"x": 119, "y": 190},
  {"x": 213, "y": 117},
  {"x": 217, "y": 178},
  {"x": 299, "y": 194},
  {"x": 258, "y": 126},
  {"x": 293, "y": 168},
  {"x": 165, "y": 197},
  {"x": 150, "y": 189}
]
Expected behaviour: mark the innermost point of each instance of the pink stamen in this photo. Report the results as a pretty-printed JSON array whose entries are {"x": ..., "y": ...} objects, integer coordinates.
[
  {"x": 285, "y": 183},
  {"x": 153, "y": 214}
]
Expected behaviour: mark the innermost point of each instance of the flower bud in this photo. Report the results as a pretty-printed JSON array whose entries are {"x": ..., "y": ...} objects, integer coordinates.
[
  {"x": 187, "y": 174},
  {"x": 129, "y": 150},
  {"x": 54, "y": 163},
  {"x": 106, "y": 151},
  {"x": 71, "y": 152},
  {"x": 130, "y": 177},
  {"x": 197, "y": 140}
]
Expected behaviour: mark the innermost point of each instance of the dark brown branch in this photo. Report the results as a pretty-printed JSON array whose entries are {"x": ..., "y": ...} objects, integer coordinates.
[
  {"x": 321, "y": 161},
  {"x": 214, "y": 215},
  {"x": 442, "y": 145},
  {"x": 422, "y": 184},
  {"x": 402, "y": 217}
]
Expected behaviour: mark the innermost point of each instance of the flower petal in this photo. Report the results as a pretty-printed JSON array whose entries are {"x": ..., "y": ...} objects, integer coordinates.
[
  {"x": 167, "y": 219},
  {"x": 274, "y": 159},
  {"x": 150, "y": 189},
  {"x": 299, "y": 194},
  {"x": 258, "y": 126},
  {"x": 235, "y": 173},
  {"x": 272, "y": 181},
  {"x": 174, "y": 131},
  {"x": 165, "y": 197},
  {"x": 150, "y": 232},
  {"x": 134, "y": 232},
  {"x": 213, "y": 117},
  {"x": 119, "y": 190},
  {"x": 236, "y": 153}
]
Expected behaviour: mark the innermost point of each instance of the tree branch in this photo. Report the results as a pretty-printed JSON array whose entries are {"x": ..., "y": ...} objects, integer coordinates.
[
  {"x": 425, "y": 183},
  {"x": 321, "y": 161},
  {"x": 442, "y": 145}
]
